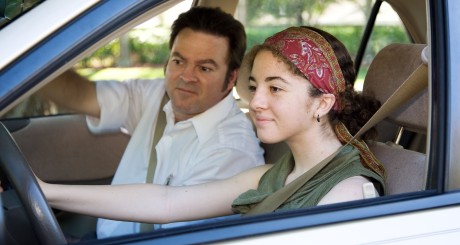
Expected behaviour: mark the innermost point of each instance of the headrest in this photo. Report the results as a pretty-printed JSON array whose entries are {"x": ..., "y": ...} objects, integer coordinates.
[{"x": 389, "y": 69}]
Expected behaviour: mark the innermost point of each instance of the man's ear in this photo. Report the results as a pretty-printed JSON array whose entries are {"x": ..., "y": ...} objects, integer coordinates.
[
  {"x": 326, "y": 103},
  {"x": 165, "y": 66},
  {"x": 232, "y": 79}
]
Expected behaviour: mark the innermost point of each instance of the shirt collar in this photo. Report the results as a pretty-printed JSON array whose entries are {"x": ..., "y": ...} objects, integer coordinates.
[{"x": 206, "y": 120}]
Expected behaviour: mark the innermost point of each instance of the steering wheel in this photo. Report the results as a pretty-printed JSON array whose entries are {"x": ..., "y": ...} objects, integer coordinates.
[{"x": 17, "y": 170}]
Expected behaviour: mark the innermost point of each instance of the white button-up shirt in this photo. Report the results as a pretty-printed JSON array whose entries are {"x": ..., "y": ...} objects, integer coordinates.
[{"x": 216, "y": 144}]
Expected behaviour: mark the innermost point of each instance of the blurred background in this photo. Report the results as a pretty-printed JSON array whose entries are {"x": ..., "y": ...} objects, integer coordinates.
[{"x": 143, "y": 51}]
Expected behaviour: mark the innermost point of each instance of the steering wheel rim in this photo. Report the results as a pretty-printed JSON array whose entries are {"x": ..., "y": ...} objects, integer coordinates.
[{"x": 14, "y": 165}]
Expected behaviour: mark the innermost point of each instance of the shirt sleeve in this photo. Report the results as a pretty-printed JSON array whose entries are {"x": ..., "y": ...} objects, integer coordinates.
[
  {"x": 122, "y": 104},
  {"x": 112, "y": 97}
]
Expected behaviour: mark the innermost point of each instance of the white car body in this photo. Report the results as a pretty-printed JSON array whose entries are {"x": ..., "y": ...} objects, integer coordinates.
[{"x": 30, "y": 57}]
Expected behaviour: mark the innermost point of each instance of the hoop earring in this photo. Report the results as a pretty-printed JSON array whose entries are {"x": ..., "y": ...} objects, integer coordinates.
[{"x": 317, "y": 118}]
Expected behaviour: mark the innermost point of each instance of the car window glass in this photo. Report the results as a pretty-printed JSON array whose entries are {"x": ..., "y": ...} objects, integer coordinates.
[
  {"x": 388, "y": 29},
  {"x": 344, "y": 19},
  {"x": 140, "y": 53}
]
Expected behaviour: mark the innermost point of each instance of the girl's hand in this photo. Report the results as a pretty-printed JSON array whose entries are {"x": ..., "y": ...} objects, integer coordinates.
[{"x": 40, "y": 182}]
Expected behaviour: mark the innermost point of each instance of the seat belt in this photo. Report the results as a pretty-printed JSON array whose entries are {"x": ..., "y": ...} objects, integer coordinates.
[
  {"x": 159, "y": 130},
  {"x": 414, "y": 84}
]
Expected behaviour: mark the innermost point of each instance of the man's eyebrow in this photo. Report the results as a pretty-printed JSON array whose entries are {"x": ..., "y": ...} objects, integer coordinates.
[
  {"x": 208, "y": 61},
  {"x": 177, "y": 54},
  {"x": 200, "y": 62}
]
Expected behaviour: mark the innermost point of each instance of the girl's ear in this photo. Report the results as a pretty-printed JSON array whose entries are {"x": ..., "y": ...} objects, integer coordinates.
[{"x": 326, "y": 103}]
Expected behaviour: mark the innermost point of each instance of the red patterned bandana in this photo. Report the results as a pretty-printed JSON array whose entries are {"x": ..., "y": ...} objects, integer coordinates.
[{"x": 313, "y": 56}]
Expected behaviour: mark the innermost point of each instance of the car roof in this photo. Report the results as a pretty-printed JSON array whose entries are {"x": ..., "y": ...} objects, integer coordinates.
[{"x": 46, "y": 18}]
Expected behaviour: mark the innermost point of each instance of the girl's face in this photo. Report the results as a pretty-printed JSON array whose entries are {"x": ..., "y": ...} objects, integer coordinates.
[{"x": 280, "y": 106}]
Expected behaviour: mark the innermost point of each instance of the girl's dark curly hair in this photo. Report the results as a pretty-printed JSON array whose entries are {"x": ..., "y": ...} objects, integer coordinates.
[{"x": 357, "y": 108}]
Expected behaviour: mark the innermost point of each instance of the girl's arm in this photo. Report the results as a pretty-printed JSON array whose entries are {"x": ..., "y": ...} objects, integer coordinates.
[
  {"x": 153, "y": 203},
  {"x": 347, "y": 190}
]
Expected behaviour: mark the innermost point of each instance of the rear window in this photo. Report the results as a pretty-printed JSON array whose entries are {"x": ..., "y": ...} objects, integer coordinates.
[{"x": 345, "y": 19}]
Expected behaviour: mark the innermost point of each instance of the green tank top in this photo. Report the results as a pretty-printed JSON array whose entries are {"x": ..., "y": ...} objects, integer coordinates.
[{"x": 345, "y": 165}]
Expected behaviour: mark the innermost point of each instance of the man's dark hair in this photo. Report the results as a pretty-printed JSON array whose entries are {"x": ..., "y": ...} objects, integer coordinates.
[{"x": 216, "y": 22}]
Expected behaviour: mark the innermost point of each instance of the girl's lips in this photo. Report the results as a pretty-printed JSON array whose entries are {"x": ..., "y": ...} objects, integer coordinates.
[{"x": 263, "y": 120}]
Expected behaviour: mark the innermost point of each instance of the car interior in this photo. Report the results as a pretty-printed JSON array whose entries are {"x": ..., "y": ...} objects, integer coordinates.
[
  {"x": 401, "y": 145},
  {"x": 392, "y": 66}
]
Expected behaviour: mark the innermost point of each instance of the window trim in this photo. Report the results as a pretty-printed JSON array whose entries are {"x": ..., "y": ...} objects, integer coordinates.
[{"x": 384, "y": 207}]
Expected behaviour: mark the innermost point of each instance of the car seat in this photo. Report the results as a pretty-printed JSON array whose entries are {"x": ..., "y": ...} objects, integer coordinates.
[{"x": 406, "y": 168}]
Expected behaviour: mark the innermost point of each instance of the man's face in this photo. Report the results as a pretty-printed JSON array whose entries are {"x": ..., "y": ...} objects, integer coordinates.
[{"x": 195, "y": 73}]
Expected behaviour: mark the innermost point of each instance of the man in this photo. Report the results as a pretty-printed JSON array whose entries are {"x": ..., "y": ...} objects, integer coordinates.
[{"x": 206, "y": 136}]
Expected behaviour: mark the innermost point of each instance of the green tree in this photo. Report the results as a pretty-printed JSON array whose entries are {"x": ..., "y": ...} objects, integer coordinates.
[
  {"x": 303, "y": 11},
  {"x": 365, "y": 6}
]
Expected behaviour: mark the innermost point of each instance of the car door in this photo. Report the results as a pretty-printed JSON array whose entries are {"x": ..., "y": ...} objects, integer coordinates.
[
  {"x": 56, "y": 142},
  {"x": 61, "y": 149},
  {"x": 428, "y": 216}
]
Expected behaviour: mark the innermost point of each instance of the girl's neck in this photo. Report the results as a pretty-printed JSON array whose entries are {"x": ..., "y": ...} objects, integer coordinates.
[{"x": 309, "y": 151}]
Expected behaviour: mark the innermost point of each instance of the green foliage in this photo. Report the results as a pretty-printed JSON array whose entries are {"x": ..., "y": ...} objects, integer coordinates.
[
  {"x": 149, "y": 53},
  {"x": 106, "y": 56},
  {"x": 156, "y": 54},
  {"x": 257, "y": 35},
  {"x": 141, "y": 53},
  {"x": 350, "y": 36},
  {"x": 384, "y": 35},
  {"x": 293, "y": 11}
]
